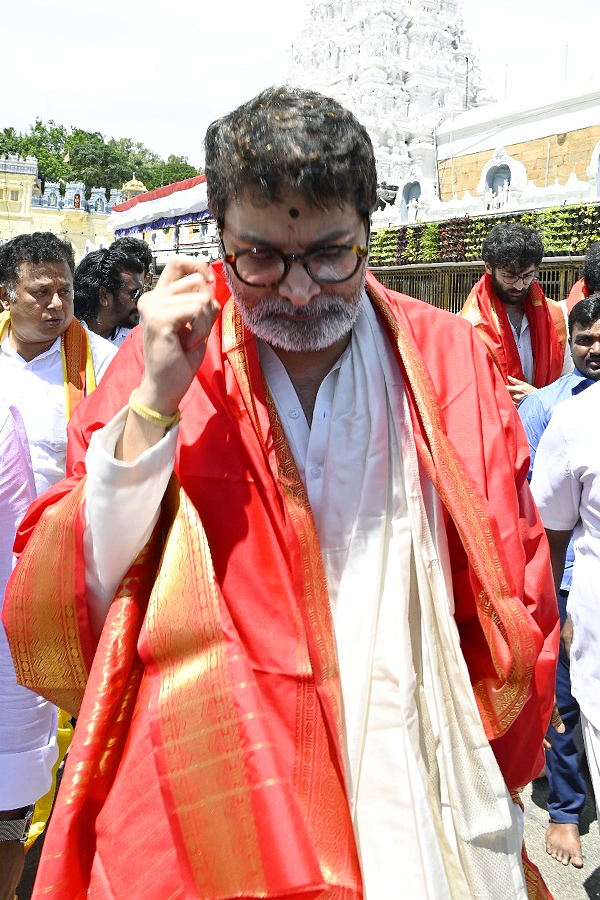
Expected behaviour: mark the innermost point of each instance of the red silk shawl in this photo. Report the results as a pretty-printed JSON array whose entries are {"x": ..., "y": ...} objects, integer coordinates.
[
  {"x": 262, "y": 584},
  {"x": 578, "y": 292},
  {"x": 487, "y": 314}
]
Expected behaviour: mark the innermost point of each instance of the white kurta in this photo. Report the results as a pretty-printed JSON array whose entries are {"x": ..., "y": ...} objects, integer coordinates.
[
  {"x": 372, "y": 507},
  {"x": 28, "y": 747},
  {"x": 37, "y": 390}
]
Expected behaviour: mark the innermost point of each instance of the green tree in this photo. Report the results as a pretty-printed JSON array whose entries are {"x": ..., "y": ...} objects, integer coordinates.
[
  {"x": 47, "y": 142},
  {"x": 80, "y": 155},
  {"x": 10, "y": 141},
  {"x": 88, "y": 158},
  {"x": 176, "y": 168}
]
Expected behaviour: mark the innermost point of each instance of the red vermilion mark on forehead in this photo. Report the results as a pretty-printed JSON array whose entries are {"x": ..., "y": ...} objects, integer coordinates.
[{"x": 294, "y": 212}]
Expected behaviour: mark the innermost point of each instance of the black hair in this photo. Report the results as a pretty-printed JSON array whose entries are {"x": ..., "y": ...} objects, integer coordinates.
[
  {"x": 591, "y": 268},
  {"x": 585, "y": 312},
  {"x": 101, "y": 268},
  {"x": 39, "y": 247},
  {"x": 290, "y": 138},
  {"x": 512, "y": 246},
  {"x": 136, "y": 247}
]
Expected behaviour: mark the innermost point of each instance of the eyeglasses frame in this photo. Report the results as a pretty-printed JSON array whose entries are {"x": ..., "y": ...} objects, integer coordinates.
[
  {"x": 288, "y": 258},
  {"x": 511, "y": 278}
]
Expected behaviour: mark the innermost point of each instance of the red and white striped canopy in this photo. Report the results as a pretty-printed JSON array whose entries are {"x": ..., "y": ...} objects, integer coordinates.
[{"x": 177, "y": 203}]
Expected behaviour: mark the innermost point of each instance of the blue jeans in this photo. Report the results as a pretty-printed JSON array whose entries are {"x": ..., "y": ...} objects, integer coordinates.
[{"x": 566, "y": 786}]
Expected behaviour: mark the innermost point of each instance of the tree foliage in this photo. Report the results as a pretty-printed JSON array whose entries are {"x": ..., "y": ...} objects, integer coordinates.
[{"x": 78, "y": 155}]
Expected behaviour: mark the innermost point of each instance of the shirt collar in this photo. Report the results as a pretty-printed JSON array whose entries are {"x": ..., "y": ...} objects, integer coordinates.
[
  {"x": 9, "y": 350},
  {"x": 580, "y": 381}
]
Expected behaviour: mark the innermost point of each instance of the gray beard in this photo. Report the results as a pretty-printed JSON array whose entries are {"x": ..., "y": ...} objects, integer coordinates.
[{"x": 329, "y": 318}]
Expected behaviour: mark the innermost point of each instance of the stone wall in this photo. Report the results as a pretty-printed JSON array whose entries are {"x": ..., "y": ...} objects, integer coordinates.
[{"x": 568, "y": 152}]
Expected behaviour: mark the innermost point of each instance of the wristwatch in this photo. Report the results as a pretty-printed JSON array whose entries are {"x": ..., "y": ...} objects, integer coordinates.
[{"x": 16, "y": 829}]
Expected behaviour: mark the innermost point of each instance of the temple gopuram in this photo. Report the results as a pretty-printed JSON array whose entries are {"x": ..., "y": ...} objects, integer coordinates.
[{"x": 444, "y": 148}]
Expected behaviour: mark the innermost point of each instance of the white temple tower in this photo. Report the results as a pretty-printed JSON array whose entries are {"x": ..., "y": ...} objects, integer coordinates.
[{"x": 402, "y": 67}]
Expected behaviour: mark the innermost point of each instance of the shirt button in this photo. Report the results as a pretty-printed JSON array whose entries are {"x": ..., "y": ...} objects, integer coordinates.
[
  {"x": 316, "y": 471},
  {"x": 294, "y": 413}
]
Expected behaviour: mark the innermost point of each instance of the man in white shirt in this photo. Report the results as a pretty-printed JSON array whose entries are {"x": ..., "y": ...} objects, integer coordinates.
[
  {"x": 340, "y": 663},
  {"x": 108, "y": 284},
  {"x": 41, "y": 343},
  {"x": 566, "y": 488},
  {"x": 27, "y": 721},
  {"x": 48, "y": 363}
]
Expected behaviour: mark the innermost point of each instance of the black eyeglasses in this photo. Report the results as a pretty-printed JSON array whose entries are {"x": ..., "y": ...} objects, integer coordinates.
[
  {"x": 511, "y": 278},
  {"x": 267, "y": 266}
]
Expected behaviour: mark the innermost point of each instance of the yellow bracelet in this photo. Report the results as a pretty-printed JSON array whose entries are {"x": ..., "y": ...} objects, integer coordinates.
[{"x": 151, "y": 415}]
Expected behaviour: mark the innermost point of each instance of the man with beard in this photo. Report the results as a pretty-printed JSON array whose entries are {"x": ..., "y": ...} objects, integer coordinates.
[
  {"x": 566, "y": 786},
  {"x": 140, "y": 249},
  {"x": 524, "y": 331},
  {"x": 108, "y": 284},
  {"x": 311, "y": 571}
]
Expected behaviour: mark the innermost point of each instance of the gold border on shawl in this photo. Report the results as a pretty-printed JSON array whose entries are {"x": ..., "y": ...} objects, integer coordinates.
[
  {"x": 74, "y": 348},
  {"x": 45, "y": 644},
  {"x": 314, "y": 584},
  {"x": 498, "y": 613},
  {"x": 320, "y": 792},
  {"x": 234, "y": 347},
  {"x": 472, "y": 313},
  {"x": 198, "y": 716},
  {"x": 319, "y": 789},
  {"x": 313, "y": 576},
  {"x": 558, "y": 320}
]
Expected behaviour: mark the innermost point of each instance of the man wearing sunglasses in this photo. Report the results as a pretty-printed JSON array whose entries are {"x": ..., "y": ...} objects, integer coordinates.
[
  {"x": 108, "y": 284},
  {"x": 524, "y": 331},
  {"x": 332, "y": 622}
]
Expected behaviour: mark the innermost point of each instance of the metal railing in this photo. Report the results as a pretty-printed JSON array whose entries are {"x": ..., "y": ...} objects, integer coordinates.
[{"x": 447, "y": 285}]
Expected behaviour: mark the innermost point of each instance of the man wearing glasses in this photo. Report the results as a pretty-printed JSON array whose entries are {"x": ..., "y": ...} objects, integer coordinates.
[
  {"x": 524, "y": 331},
  {"x": 325, "y": 655},
  {"x": 108, "y": 284}
]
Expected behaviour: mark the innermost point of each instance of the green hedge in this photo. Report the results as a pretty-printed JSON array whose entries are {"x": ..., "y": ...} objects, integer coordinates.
[{"x": 565, "y": 230}]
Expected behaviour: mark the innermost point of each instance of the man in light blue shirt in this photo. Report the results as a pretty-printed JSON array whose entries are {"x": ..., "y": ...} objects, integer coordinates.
[{"x": 566, "y": 787}]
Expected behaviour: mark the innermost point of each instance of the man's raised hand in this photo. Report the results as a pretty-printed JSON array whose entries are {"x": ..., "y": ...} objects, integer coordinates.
[{"x": 177, "y": 318}]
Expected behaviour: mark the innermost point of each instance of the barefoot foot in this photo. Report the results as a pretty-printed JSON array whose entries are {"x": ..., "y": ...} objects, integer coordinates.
[{"x": 563, "y": 843}]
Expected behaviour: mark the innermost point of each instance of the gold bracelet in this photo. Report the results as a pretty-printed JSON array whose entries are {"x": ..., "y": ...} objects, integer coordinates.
[{"x": 151, "y": 415}]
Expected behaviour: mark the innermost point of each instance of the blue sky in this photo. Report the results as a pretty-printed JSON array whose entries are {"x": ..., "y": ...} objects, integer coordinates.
[{"x": 142, "y": 70}]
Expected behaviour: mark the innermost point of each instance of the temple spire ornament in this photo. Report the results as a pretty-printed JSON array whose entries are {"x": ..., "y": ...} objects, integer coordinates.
[{"x": 402, "y": 67}]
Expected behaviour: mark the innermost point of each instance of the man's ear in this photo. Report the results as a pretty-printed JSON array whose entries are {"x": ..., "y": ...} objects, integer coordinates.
[
  {"x": 104, "y": 295},
  {"x": 488, "y": 268},
  {"x": 4, "y": 300}
]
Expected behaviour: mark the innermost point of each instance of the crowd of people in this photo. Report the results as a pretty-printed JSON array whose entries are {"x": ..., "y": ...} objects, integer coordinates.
[{"x": 286, "y": 573}]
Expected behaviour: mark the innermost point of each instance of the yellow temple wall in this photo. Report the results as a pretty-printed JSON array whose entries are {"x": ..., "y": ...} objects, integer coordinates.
[
  {"x": 17, "y": 216},
  {"x": 561, "y": 154}
]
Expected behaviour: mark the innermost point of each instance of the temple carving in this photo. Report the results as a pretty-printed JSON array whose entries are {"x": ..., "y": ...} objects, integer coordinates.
[
  {"x": 402, "y": 67},
  {"x": 444, "y": 148}
]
